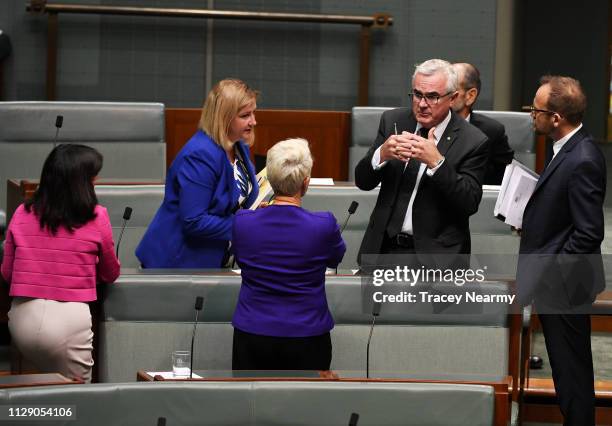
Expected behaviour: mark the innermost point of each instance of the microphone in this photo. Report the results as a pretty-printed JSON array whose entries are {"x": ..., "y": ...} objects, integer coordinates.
[
  {"x": 127, "y": 214},
  {"x": 352, "y": 209},
  {"x": 375, "y": 312},
  {"x": 198, "y": 307},
  {"x": 354, "y": 419},
  {"x": 161, "y": 421},
  {"x": 59, "y": 120}
]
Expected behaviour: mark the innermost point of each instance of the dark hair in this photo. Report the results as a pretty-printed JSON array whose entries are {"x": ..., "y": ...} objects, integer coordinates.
[
  {"x": 65, "y": 196},
  {"x": 566, "y": 97}
]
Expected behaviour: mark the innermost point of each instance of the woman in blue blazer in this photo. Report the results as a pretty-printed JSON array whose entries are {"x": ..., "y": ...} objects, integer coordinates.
[{"x": 211, "y": 177}]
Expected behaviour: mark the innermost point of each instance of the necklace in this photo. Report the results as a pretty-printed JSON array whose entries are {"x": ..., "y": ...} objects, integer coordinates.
[{"x": 284, "y": 200}]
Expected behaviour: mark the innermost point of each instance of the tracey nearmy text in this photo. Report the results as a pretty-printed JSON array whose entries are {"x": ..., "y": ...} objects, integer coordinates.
[{"x": 427, "y": 297}]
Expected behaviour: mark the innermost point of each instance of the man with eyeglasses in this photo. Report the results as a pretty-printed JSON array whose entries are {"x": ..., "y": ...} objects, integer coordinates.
[
  {"x": 430, "y": 164},
  {"x": 500, "y": 153},
  {"x": 560, "y": 267}
]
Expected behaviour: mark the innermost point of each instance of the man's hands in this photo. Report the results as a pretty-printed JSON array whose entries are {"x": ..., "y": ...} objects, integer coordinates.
[{"x": 409, "y": 145}]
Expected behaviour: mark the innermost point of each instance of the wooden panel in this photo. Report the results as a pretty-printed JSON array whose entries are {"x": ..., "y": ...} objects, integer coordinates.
[
  {"x": 181, "y": 124},
  {"x": 540, "y": 153},
  {"x": 327, "y": 131}
]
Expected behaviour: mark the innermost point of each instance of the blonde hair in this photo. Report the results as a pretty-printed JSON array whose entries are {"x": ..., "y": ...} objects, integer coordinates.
[
  {"x": 288, "y": 163},
  {"x": 222, "y": 105}
]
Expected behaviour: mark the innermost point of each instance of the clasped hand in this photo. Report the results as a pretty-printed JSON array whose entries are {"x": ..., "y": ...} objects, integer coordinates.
[{"x": 409, "y": 145}]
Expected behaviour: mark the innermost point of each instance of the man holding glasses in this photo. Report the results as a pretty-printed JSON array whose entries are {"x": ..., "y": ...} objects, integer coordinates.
[
  {"x": 430, "y": 163},
  {"x": 560, "y": 267}
]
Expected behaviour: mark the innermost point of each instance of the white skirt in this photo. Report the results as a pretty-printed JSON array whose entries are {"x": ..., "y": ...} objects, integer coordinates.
[{"x": 54, "y": 336}]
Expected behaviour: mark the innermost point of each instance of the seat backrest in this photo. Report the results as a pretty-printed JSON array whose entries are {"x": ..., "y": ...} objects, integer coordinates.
[
  {"x": 144, "y": 201},
  {"x": 131, "y": 137},
  {"x": 493, "y": 242},
  {"x": 364, "y": 127},
  {"x": 521, "y": 136},
  {"x": 265, "y": 403},
  {"x": 148, "y": 315},
  {"x": 489, "y": 234},
  {"x": 519, "y": 128},
  {"x": 337, "y": 200}
]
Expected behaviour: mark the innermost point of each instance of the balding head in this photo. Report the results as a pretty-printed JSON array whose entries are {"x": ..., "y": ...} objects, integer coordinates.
[
  {"x": 469, "y": 85},
  {"x": 565, "y": 97}
]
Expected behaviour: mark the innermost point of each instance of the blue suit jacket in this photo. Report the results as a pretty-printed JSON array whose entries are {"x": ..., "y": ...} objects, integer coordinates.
[
  {"x": 194, "y": 223},
  {"x": 563, "y": 227}
]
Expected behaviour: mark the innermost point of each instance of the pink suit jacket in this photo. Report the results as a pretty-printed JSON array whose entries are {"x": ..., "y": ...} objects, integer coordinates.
[{"x": 63, "y": 267}]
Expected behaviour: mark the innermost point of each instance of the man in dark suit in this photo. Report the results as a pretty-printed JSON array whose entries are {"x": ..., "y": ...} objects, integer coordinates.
[
  {"x": 430, "y": 164},
  {"x": 560, "y": 266},
  {"x": 500, "y": 153}
]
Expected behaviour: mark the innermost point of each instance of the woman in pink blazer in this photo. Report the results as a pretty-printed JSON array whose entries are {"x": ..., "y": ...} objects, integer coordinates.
[{"x": 58, "y": 246}]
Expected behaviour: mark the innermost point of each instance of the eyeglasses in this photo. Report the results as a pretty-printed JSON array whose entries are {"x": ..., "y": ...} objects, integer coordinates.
[
  {"x": 532, "y": 110},
  {"x": 430, "y": 98}
]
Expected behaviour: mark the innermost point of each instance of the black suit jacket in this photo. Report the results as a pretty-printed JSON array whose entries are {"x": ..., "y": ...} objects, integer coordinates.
[
  {"x": 500, "y": 153},
  {"x": 444, "y": 202},
  {"x": 563, "y": 227}
]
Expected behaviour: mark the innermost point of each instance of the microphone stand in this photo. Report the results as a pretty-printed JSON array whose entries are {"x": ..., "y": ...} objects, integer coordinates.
[
  {"x": 375, "y": 313},
  {"x": 127, "y": 214},
  {"x": 198, "y": 307},
  {"x": 352, "y": 209},
  {"x": 59, "y": 120}
]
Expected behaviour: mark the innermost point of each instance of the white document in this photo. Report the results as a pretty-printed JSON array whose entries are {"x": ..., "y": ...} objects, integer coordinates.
[
  {"x": 322, "y": 181},
  {"x": 518, "y": 184},
  {"x": 265, "y": 189}
]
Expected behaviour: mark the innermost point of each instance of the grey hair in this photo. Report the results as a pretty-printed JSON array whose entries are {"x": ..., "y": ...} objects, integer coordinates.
[
  {"x": 433, "y": 66},
  {"x": 288, "y": 163}
]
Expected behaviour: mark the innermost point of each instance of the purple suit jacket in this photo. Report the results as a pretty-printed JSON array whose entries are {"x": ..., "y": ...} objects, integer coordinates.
[{"x": 283, "y": 252}]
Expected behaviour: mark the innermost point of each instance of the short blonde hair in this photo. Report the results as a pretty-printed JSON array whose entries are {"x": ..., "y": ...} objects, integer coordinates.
[
  {"x": 288, "y": 163},
  {"x": 222, "y": 105}
]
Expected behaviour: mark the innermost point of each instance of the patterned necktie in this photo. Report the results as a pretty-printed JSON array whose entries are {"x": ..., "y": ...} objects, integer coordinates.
[
  {"x": 404, "y": 193},
  {"x": 242, "y": 182}
]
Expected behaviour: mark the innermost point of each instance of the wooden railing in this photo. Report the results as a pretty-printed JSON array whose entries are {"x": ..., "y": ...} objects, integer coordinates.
[{"x": 54, "y": 9}]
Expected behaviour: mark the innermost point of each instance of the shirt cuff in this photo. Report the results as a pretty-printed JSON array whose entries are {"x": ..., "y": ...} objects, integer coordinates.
[
  {"x": 376, "y": 160},
  {"x": 430, "y": 172}
]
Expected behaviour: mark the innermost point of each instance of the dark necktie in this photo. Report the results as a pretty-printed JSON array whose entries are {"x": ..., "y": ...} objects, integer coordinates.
[{"x": 404, "y": 192}]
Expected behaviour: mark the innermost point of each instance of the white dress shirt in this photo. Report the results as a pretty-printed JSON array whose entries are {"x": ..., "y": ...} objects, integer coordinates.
[
  {"x": 376, "y": 164},
  {"x": 557, "y": 145}
]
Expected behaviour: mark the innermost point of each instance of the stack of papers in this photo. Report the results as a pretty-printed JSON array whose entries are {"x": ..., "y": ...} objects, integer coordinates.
[
  {"x": 518, "y": 184},
  {"x": 265, "y": 189}
]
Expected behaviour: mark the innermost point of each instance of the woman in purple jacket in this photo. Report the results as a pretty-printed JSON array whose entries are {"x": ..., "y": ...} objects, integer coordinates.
[
  {"x": 58, "y": 246},
  {"x": 282, "y": 321}
]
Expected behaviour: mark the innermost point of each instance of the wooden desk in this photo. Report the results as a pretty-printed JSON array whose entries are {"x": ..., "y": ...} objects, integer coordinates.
[
  {"x": 501, "y": 385},
  {"x": 27, "y": 380}
]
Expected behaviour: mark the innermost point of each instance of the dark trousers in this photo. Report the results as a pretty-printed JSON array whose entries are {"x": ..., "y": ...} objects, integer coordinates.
[
  {"x": 568, "y": 343},
  {"x": 256, "y": 352}
]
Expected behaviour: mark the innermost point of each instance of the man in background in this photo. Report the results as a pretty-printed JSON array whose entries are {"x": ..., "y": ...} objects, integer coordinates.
[{"x": 500, "y": 153}]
